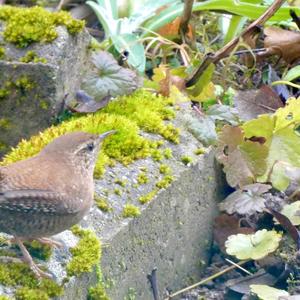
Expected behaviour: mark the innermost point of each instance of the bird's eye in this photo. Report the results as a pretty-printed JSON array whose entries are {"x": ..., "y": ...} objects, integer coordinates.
[{"x": 90, "y": 146}]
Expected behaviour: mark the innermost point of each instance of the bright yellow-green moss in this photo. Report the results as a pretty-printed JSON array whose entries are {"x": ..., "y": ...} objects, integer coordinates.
[
  {"x": 24, "y": 83},
  {"x": 148, "y": 197},
  {"x": 97, "y": 293},
  {"x": 130, "y": 211},
  {"x": 4, "y": 298},
  {"x": 168, "y": 153},
  {"x": 118, "y": 192},
  {"x": 157, "y": 155},
  {"x": 186, "y": 159},
  {"x": 4, "y": 93},
  {"x": 31, "y": 56},
  {"x": 86, "y": 254},
  {"x": 199, "y": 151},
  {"x": 120, "y": 182},
  {"x": 4, "y": 123},
  {"x": 148, "y": 113},
  {"x": 142, "y": 178},
  {"x": 164, "y": 169},
  {"x": 24, "y": 26},
  {"x": 102, "y": 203},
  {"x": 26, "y": 293},
  {"x": 165, "y": 182},
  {"x": 124, "y": 146},
  {"x": 2, "y": 53}
]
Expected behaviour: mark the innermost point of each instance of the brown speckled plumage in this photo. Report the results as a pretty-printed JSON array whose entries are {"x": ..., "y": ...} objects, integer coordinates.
[{"x": 51, "y": 191}]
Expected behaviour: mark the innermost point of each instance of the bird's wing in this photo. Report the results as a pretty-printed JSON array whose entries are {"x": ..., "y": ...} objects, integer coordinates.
[{"x": 36, "y": 201}]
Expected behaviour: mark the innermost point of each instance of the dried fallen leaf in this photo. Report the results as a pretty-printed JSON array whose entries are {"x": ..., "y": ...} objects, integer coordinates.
[
  {"x": 226, "y": 225},
  {"x": 284, "y": 43}
]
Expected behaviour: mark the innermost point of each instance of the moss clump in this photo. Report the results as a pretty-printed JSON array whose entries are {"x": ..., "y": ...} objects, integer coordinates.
[
  {"x": 142, "y": 178},
  {"x": 186, "y": 159},
  {"x": 157, "y": 155},
  {"x": 4, "y": 298},
  {"x": 4, "y": 93},
  {"x": 118, "y": 192},
  {"x": 86, "y": 254},
  {"x": 199, "y": 151},
  {"x": 24, "y": 26},
  {"x": 148, "y": 197},
  {"x": 124, "y": 146},
  {"x": 165, "y": 182},
  {"x": 120, "y": 182},
  {"x": 168, "y": 153},
  {"x": 2, "y": 53},
  {"x": 39, "y": 250},
  {"x": 130, "y": 211},
  {"x": 5, "y": 123},
  {"x": 164, "y": 169},
  {"x": 31, "y": 56},
  {"x": 148, "y": 113},
  {"x": 97, "y": 293},
  {"x": 102, "y": 203},
  {"x": 24, "y": 83}
]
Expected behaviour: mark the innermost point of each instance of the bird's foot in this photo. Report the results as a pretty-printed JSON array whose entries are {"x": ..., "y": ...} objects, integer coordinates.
[
  {"x": 50, "y": 242},
  {"x": 28, "y": 259}
]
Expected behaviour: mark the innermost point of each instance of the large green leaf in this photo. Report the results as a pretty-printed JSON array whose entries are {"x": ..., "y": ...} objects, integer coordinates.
[
  {"x": 253, "y": 246},
  {"x": 282, "y": 140},
  {"x": 108, "y": 78},
  {"x": 292, "y": 74},
  {"x": 265, "y": 292},
  {"x": 130, "y": 43}
]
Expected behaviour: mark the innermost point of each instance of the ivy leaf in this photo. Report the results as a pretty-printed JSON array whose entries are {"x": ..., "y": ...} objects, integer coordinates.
[
  {"x": 203, "y": 128},
  {"x": 253, "y": 246},
  {"x": 265, "y": 292},
  {"x": 292, "y": 212},
  {"x": 280, "y": 131},
  {"x": 243, "y": 160},
  {"x": 223, "y": 113},
  {"x": 246, "y": 201},
  {"x": 108, "y": 78}
]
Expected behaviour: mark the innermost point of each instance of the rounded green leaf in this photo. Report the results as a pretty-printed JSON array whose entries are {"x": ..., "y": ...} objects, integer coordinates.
[
  {"x": 291, "y": 211},
  {"x": 253, "y": 246},
  {"x": 265, "y": 292}
]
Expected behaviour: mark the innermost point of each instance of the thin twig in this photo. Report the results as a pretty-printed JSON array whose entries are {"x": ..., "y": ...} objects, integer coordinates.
[
  {"x": 224, "y": 52},
  {"x": 239, "y": 267},
  {"x": 205, "y": 280}
]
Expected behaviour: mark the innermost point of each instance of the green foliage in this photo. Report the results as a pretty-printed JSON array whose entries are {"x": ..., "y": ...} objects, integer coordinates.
[
  {"x": 253, "y": 246},
  {"x": 2, "y": 53},
  {"x": 142, "y": 178},
  {"x": 186, "y": 159},
  {"x": 31, "y": 56},
  {"x": 97, "y": 293},
  {"x": 148, "y": 197},
  {"x": 265, "y": 292},
  {"x": 86, "y": 254},
  {"x": 24, "y": 26},
  {"x": 127, "y": 114},
  {"x": 102, "y": 203},
  {"x": 165, "y": 182},
  {"x": 291, "y": 212},
  {"x": 130, "y": 211},
  {"x": 164, "y": 169}
]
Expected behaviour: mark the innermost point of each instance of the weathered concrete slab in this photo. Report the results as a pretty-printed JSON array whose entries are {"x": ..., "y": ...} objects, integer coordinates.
[
  {"x": 173, "y": 232},
  {"x": 31, "y": 94}
]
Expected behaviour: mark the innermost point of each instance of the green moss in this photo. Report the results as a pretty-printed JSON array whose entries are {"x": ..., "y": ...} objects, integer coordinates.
[
  {"x": 118, "y": 192},
  {"x": 24, "y": 83},
  {"x": 164, "y": 169},
  {"x": 165, "y": 182},
  {"x": 38, "y": 250},
  {"x": 186, "y": 159},
  {"x": 86, "y": 254},
  {"x": 4, "y": 93},
  {"x": 102, "y": 203},
  {"x": 2, "y": 53},
  {"x": 31, "y": 56},
  {"x": 24, "y": 26},
  {"x": 148, "y": 197},
  {"x": 4, "y": 298},
  {"x": 142, "y": 178},
  {"x": 26, "y": 293},
  {"x": 125, "y": 146},
  {"x": 97, "y": 293},
  {"x": 5, "y": 123},
  {"x": 199, "y": 151},
  {"x": 44, "y": 104},
  {"x": 168, "y": 153},
  {"x": 130, "y": 211},
  {"x": 120, "y": 182},
  {"x": 157, "y": 155}
]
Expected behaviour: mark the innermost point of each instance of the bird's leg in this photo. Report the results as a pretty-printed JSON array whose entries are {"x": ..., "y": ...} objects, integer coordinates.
[
  {"x": 28, "y": 259},
  {"x": 50, "y": 242}
]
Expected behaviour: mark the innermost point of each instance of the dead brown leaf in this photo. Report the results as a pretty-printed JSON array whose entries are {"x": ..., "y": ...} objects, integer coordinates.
[{"x": 284, "y": 43}]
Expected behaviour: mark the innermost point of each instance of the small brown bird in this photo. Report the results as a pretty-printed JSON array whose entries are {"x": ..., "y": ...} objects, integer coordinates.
[{"x": 50, "y": 192}]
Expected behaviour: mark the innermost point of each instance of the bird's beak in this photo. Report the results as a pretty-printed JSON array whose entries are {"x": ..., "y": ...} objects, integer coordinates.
[{"x": 105, "y": 134}]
